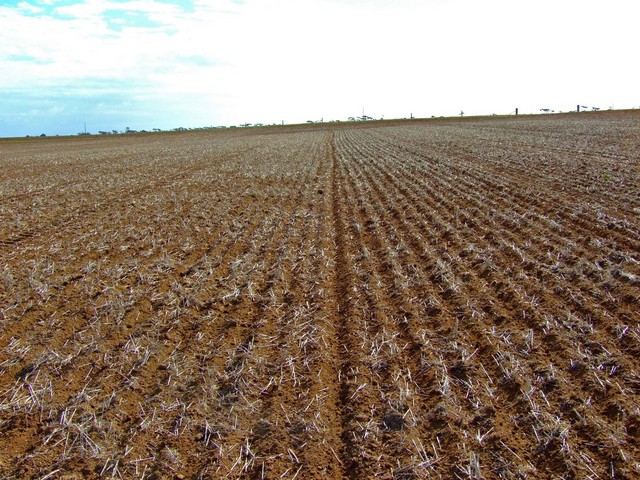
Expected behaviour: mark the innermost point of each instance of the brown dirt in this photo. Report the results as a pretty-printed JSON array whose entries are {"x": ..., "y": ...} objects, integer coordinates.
[{"x": 445, "y": 299}]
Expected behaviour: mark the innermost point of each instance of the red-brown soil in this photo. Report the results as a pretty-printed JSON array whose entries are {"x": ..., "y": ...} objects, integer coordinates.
[{"x": 443, "y": 299}]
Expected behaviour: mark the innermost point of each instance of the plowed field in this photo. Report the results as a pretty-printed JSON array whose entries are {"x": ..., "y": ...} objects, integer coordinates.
[{"x": 428, "y": 299}]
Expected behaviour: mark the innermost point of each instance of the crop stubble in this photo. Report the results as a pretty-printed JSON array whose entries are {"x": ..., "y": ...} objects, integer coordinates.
[{"x": 442, "y": 299}]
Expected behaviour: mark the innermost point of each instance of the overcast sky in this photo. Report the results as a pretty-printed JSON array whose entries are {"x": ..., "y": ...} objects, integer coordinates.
[{"x": 147, "y": 64}]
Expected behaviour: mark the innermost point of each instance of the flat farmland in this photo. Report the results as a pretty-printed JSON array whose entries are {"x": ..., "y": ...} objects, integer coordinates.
[{"x": 447, "y": 298}]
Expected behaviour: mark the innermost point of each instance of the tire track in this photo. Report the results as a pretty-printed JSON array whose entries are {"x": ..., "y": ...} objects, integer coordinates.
[{"x": 345, "y": 340}]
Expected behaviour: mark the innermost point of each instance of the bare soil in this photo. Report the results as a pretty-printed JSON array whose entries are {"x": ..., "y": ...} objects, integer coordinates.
[{"x": 454, "y": 298}]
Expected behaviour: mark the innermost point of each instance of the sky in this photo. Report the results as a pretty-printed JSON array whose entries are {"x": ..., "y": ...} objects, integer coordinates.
[{"x": 144, "y": 64}]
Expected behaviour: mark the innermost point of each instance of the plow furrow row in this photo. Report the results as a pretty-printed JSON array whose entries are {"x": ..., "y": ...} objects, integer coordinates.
[{"x": 453, "y": 299}]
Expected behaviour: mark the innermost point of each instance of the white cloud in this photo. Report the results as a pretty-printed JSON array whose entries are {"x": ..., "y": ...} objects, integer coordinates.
[
  {"x": 29, "y": 8},
  {"x": 272, "y": 60}
]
